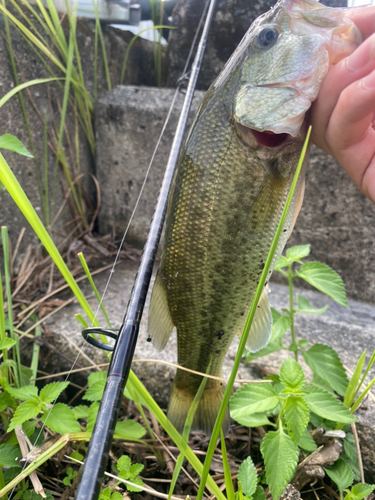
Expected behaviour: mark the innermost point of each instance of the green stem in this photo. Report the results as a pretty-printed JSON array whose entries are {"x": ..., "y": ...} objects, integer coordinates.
[
  {"x": 291, "y": 311},
  {"x": 2, "y": 482},
  {"x": 35, "y": 355}
]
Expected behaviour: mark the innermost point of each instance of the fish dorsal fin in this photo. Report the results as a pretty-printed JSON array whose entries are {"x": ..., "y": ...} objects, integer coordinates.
[
  {"x": 261, "y": 328},
  {"x": 160, "y": 324}
]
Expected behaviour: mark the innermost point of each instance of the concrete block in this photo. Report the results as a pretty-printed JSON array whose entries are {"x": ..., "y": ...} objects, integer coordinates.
[{"x": 128, "y": 124}]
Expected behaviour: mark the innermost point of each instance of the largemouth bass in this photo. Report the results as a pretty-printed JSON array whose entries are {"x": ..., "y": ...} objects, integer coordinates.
[{"x": 231, "y": 184}]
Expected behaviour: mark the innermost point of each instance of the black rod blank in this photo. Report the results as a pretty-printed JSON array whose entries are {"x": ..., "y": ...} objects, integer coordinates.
[{"x": 99, "y": 447}]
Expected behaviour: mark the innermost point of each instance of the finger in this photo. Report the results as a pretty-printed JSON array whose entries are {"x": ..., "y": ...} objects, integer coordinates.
[
  {"x": 340, "y": 76},
  {"x": 364, "y": 18},
  {"x": 351, "y": 135}
]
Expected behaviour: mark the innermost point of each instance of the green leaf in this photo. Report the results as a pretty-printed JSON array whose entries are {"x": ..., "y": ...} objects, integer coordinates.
[
  {"x": 136, "y": 480},
  {"x": 10, "y": 455},
  {"x": 95, "y": 391},
  {"x": 305, "y": 307},
  {"x": 291, "y": 374},
  {"x": 280, "y": 456},
  {"x": 11, "y": 143},
  {"x": 7, "y": 343},
  {"x": 306, "y": 442},
  {"x": 297, "y": 416},
  {"x": 316, "y": 380},
  {"x": 324, "y": 279},
  {"x": 252, "y": 398},
  {"x": 6, "y": 400},
  {"x": 105, "y": 494},
  {"x": 23, "y": 393},
  {"x": 81, "y": 411},
  {"x": 25, "y": 411},
  {"x": 91, "y": 418},
  {"x": 254, "y": 420},
  {"x": 326, "y": 405},
  {"x": 341, "y": 474},
  {"x": 96, "y": 377},
  {"x": 247, "y": 474},
  {"x": 281, "y": 262},
  {"x": 124, "y": 463},
  {"x": 325, "y": 362},
  {"x": 116, "y": 496},
  {"x": 129, "y": 430},
  {"x": 279, "y": 327},
  {"x": 61, "y": 419},
  {"x": 259, "y": 494},
  {"x": 298, "y": 252},
  {"x": 51, "y": 392},
  {"x": 360, "y": 491}
]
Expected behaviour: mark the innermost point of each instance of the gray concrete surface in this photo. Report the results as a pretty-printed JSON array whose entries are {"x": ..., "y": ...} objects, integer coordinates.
[
  {"x": 128, "y": 122},
  {"x": 47, "y": 99},
  {"x": 348, "y": 331}
]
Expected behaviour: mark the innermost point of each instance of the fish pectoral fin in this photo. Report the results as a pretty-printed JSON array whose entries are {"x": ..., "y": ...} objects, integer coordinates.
[
  {"x": 301, "y": 194},
  {"x": 261, "y": 328},
  {"x": 160, "y": 324}
]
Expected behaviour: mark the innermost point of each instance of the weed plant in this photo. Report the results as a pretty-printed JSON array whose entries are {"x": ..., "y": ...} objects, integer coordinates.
[{"x": 288, "y": 407}]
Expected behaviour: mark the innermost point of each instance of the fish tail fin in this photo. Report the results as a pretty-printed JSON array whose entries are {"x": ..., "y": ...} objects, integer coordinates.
[{"x": 206, "y": 413}]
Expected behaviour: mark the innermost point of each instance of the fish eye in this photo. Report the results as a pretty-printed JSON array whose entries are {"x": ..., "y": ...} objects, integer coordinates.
[{"x": 267, "y": 37}]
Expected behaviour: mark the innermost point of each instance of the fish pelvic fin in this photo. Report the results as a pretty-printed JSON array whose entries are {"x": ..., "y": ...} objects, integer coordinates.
[
  {"x": 207, "y": 410},
  {"x": 261, "y": 327},
  {"x": 160, "y": 324}
]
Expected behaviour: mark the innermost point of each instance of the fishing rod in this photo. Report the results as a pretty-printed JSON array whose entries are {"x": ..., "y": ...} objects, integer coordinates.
[{"x": 126, "y": 339}]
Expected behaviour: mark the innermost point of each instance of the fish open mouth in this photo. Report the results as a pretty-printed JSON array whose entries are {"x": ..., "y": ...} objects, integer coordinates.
[{"x": 270, "y": 139}]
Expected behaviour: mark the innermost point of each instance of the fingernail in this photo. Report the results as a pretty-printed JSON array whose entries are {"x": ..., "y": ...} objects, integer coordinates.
[
  {"x": 363, "y": 55},
  {"x": 369, "y": 81}
]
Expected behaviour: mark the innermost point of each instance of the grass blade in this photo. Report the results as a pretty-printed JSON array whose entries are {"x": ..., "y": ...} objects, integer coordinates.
[{"x": 227, "y": 473}]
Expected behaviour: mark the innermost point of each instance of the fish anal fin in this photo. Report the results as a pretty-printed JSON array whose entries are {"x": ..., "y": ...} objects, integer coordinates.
[
  {"x": 160, "y": 324},
  {"x": 261, "y": 327}
]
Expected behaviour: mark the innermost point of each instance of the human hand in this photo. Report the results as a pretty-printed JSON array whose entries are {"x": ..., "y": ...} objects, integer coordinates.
[{"x": 343, "y": 116}]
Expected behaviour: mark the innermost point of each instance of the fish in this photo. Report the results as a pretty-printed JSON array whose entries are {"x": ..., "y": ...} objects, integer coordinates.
[{"x": 229, "y": 190}]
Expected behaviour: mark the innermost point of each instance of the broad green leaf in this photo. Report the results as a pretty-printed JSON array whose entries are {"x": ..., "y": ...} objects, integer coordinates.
[
  {"x": 52, "y": 391},
  {"x": 10, "y": 455},
  {"x": 5, "y": 401},
  {"x": 91, "y": 418},
  {"x": 324, "y": 279},
  {"x": 129, "y": 430},
  {"x": 298, "y": 252},
  {"x": 281, "y": 262},
  {"x": 326, "y": 405},
  {"x": 305, "y": 307},
  {"x": 254, "y": 420},
  {"x": 23, "y": 393},
  {"x": 306, "y": 442},
  {"x": 25, "y": 411},
  {"x": 247, "y": 474},
  {"x": 280, "y": 326},
  {"x": 105, "y": 494},
  {"x": 116, "y": 496},
  {"x": 252, "y": 398},
  {"x": 136, "y": 480},
  {"x": 316, "y": 380},
  {"x": 81, "y": 411},
  {"x": 350, "y": 447},
  {"x": 95, "y": 391},
  {"x": 291, "y": 374},
  {"x": 270, "y": 347},
  {"x": 259, "y": 494},
  {"x": 8, "y": 141},
  {"x": 360, "y": 491},
  {"x": 325, "y": 362},
  {"x": 136, "y": 469},
  {"x": 341, "y": 474},
  {"x": 7, "y": 343},
  {"x": 297, "y": 416},
  {"x": 61, "y": 419},
  {"x": 96, "y": 377},
  {"x": 124, "y": 463},
  {"x": 280, "y": 456}
]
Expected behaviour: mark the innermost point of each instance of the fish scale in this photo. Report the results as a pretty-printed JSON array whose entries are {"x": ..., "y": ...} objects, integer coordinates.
[{"x": 229, "y": 190}]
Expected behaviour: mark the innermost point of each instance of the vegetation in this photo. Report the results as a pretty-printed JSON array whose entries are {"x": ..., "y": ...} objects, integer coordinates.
[{"x": 285, "y": 412}]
